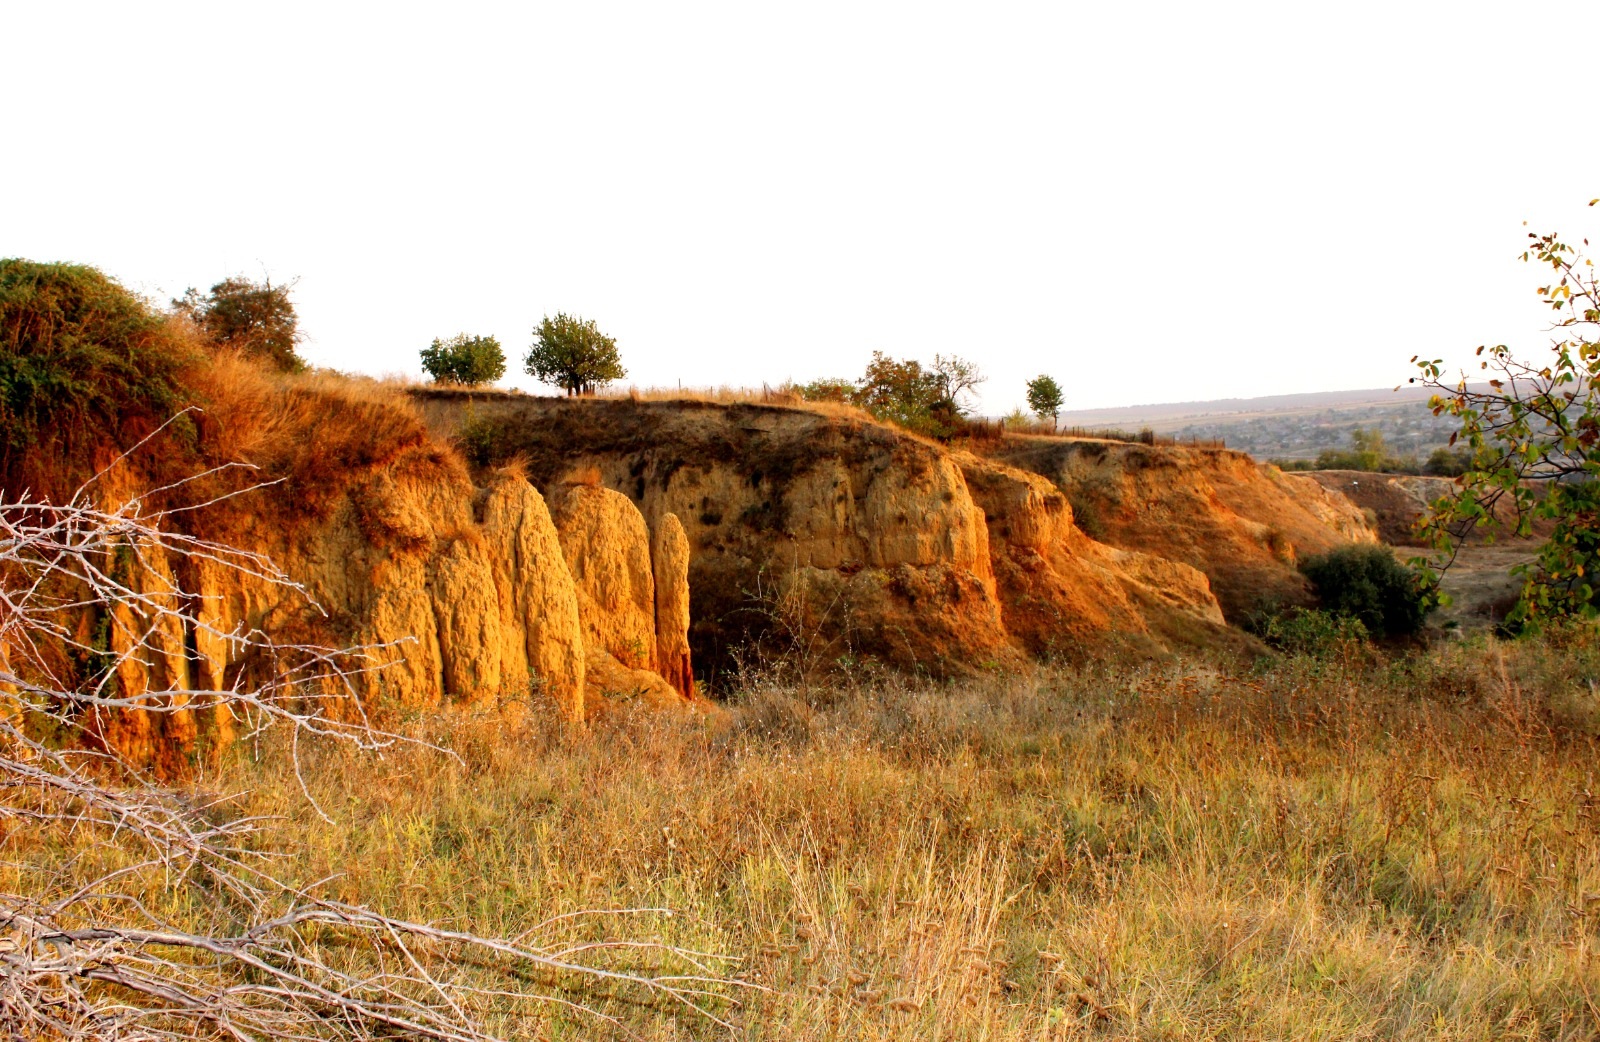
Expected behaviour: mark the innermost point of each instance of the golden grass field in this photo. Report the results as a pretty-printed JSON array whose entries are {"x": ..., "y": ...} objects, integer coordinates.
[{"x": 1334, "y": 848}]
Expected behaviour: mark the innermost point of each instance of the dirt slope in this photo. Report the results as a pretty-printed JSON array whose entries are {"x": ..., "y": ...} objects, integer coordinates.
[{"x": 1242, "y": 523}]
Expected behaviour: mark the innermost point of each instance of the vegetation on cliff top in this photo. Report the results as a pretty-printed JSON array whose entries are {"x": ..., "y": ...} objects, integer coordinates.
[
  {"x": 464, "y": 360},
  {"x": 86, "y": 369}
]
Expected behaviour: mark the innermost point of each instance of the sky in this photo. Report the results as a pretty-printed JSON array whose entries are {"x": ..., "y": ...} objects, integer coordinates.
[{"x": 1151, "y": 202}]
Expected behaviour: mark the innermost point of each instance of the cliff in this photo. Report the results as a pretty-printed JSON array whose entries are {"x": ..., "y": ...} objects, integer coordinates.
[
  {"x": 1244, "y": 524},
  {"x": 829, "y": 537},
  {"x": 466, "y": 594}
]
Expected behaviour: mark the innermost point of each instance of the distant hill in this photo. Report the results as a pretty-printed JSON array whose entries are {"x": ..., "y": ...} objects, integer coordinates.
[{"x": 1287, "y": 426}]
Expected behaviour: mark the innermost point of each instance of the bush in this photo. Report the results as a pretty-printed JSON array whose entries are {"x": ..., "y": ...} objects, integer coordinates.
[
  {"x": 1448, "y": 462},
  {"x": 1311, "y": 631},
  {"x": 84, "y": 365},
  {"x": 466, "y": 360},
  {"x": 1368, "y": 584}
]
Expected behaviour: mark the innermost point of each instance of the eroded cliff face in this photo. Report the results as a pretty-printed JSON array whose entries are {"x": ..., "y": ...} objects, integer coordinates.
[
  {"x": 1242, "y": 523},
  {"x": 464, "y": 595},
  {"x": 832, "y": 538}
]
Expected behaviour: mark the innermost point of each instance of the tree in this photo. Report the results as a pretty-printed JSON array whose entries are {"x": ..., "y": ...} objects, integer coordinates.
[
  {"x": 255, "y": 316},
  {"x": 901, "y": 392},
  {"x": 1044, "y": 397},
  {"x": 573, "y": 354},
  {"x": 1531, "y": 432},
  {"x": 925, "y": 399},
  {"x": 463, "y": 359},
  {"x": 958, "y": 379},
  {"x": 1367, "y": 583}
]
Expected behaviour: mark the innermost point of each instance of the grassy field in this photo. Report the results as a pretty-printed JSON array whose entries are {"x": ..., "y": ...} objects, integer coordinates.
[{"x": 1345, "y": 848}]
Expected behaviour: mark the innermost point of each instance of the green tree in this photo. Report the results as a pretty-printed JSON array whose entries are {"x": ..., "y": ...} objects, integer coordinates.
[
  {"x": 466, "y": 360},
  {"x": 902, "y": 392},
  {"x": 573, "y": 354},
  {"x": 928, "y": 399},
  {"x": 1531, "y": 432},
  {"x": 255, "y": 316},
  {"x": 1045, "y": 398}
]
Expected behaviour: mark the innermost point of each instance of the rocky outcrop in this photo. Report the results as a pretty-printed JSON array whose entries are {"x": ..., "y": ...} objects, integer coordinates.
[
  {"x": 1060, "y": 589},
  {"x": 669, "y": 560},
  {"x": 1242, "y": 523},
  {"x": 827, "y": 538},
  {"x": 610, "y": 557},
  {"x": 462, "y": 595}
]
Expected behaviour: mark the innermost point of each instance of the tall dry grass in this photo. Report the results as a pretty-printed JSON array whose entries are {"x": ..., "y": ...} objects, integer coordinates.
[{"x": 1357, "y": 849}]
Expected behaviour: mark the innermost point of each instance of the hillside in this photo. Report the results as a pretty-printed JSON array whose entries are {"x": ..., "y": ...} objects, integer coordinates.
[{"x": 1288, "y": 426}]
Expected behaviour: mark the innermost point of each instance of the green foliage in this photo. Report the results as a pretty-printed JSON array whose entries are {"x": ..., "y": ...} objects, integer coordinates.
[
  {"x": 84, "y": 364},
  {"x": 1367, "y": 583},
  {"x": 1448, "y": 462},
  {"x": 255, "y": 316},
  {"x": 929, "y": 400},
  {"x": 1367, "y": 451},
  {"x": 573, "y": 354},
  {"x": 905, "y": 393},
  {"x": 466, "y": 360},
  {"x": 827, "y": 390},
  {"x": 1045, "y": 397},
  {"x": 1312, "y": 631},
  {"x": 1531, "y": 435}
]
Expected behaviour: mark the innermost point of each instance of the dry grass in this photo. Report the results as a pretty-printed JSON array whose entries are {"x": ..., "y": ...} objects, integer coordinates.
[{"x": 1320, "y": 850}]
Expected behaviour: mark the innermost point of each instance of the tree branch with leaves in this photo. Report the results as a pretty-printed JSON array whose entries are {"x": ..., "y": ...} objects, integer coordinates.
[{"x": 1531, "y": 431}]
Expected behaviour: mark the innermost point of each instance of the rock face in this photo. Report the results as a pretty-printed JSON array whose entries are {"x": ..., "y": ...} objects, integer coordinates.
[
  {"x": 669, "y": 560},
  {"x": 828, "y": 538},
  {"x": 609, "y": 554},
  {"x": 1242, "y": 523},
  {"x": 470, "y": 596}
]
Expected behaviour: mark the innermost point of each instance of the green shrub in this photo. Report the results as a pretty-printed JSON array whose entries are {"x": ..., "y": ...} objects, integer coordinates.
[
  {"x": 1311, "y": 631},
  {"x": 463, "y": 359},
  {"x": 1367, "y": 583},
  {"x": 84, "y": 366}
]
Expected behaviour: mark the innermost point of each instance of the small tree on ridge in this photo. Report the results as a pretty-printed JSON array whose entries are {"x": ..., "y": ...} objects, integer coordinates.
[
  {"x": 573, "y": 354},
  {"x": 1045, "y": 398},
  {"x": 255, "y": 316},
  {"x": 466, "y": 360}
]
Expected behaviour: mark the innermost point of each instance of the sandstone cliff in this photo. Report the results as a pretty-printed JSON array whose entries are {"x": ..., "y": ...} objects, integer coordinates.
[
  {"x": 833, "y": 538},
  {"x": 1244, "y": 524},
  {"x": 466, "y": 595}
]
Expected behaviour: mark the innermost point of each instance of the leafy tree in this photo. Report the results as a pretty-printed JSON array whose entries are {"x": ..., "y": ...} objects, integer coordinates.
[
  {"x": 925, "y": 399},
  {"x": 256, "y": 316},
  {"x": 901, "y": 391},
  {"x": 1044, "y": 397},
  {"x": 1368, "y": 451},
  {"x": 1531, "y": 434},
  {"x": 463, "y": 359},
  {"x": 573, "y": 354},
  {"x": 958, "y": 379}
]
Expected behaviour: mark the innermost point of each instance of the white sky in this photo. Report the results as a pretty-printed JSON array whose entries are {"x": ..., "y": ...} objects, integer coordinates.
[{"x": 1152, "y": 202}]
